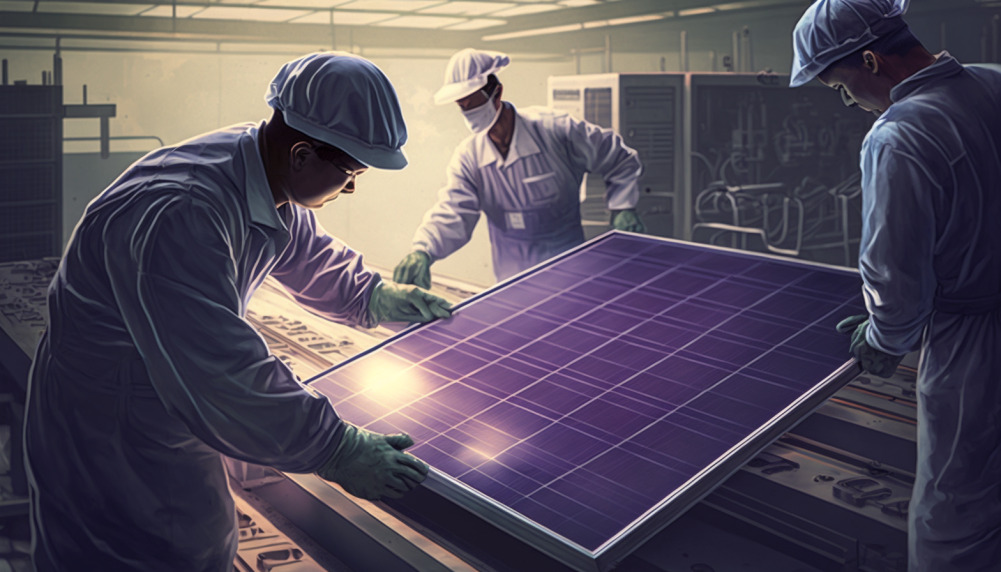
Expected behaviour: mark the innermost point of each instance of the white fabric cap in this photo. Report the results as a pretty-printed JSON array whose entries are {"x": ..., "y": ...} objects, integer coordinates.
[
  {"x": 832, "y": 29},
  {"x": 345, "y": 101},
  {"x": 467, "y": 72}
]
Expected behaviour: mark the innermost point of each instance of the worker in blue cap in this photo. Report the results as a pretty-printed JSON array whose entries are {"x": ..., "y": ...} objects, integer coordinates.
[
  {"x": 149, "y": 373},
  {"x": 930, "y": 258},
  {"x": 523, "y": 169}
]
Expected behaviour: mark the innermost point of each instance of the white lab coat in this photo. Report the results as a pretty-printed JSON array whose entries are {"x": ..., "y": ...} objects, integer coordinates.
[
  {"x": 931, "y": 263},
  {"x": 532, "y": 197},
  {"x": 148, "y": 370}
]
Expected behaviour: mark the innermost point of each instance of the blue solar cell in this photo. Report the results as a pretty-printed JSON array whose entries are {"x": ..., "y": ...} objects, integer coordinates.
[{"x": 584, "y": 393}]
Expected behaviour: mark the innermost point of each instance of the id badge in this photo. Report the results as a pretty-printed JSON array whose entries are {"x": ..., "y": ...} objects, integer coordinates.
[{"x": 515, "y": 221}]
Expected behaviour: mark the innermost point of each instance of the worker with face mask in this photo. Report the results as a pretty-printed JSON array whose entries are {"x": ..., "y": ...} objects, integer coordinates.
[
  {"x": 149, "y": 372},
  {"x": 523, "y": 168},
  {"x": 930, "y": 258}
]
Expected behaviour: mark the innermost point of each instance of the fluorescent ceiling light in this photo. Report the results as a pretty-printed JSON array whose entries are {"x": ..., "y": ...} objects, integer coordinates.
[
  {"x": 320, "y": 4},
  {"x": 736, "y": 6},
  {"x": 467, "y": 8},
  {"x": 527, "y": 9},
  {"x": 629, "y": 20},
  {"x": 575, "y": 27},
  {"x": 389, "y": 5},
  {"x": 420, "y": 22},
  {"x": 166, "y": 11},
  {"x": 345, "y": 18},
  {"x": 576, "y": 3},
  {"x": 477, "y": 24},
  {"x": 92, "y": 8},
  {"x": 696, "y": 11},
  {"x": 254, "y": 14},
  {"x": 254, "y": 47},
  {"x": 534, "y": 32},
  {"x": 319, "y": 17}
]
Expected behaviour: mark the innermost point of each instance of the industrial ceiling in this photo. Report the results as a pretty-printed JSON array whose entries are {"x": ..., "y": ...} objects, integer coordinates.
[{"x": 362, "y": 25}]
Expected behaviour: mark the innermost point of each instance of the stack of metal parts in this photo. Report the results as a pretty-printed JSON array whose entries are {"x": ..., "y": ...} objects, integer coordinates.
[{"x": 828, "y": 495}]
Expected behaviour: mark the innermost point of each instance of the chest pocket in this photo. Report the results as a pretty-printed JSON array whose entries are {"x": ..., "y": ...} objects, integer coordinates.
[{"x": 541, "y": 189}]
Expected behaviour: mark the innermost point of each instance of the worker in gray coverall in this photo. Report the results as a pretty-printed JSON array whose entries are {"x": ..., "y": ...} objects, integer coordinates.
[
  {"x": 149, "y": 372},
  {"x": 930, "y": 258}
]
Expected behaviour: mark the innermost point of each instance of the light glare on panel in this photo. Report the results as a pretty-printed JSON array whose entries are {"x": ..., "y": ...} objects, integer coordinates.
[
  {"x": 528, "y": 9},
  {"x": 254, "y": 14},
  {"x": 477, "y": 24},
  {"x": 467, "y": 8},
  {"x": 92, "y": 8},
  {"x": 420, "y": 22}
]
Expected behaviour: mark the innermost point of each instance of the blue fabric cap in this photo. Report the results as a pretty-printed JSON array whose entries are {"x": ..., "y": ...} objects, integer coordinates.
[
  {"x": 832, "y": 29},
  {"x": 345, "y": 101}
]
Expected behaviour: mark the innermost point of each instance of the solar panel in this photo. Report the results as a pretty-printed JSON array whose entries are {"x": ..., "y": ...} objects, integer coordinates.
[{"x": 584, "y": 404}]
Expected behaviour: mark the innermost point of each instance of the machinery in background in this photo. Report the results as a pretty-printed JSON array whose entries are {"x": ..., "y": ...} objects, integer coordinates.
[
  {"x": 31, "y": 152},
  {"x": 646, "y": 109},
  {"x": 31, "y": 161},
  {"x": 731, "y": 159}
]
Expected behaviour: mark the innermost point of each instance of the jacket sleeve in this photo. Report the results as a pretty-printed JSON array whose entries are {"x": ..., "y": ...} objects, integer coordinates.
[
  {"x": 449, "y": 224},
  {"x": 175, "y": 280},
  {"x": 897, "y": 244},
  {"x": 603, "y": 152},
  {"x": 324, "y": 274}
]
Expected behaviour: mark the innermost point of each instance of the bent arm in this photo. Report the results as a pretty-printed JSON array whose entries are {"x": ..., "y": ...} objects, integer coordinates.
[{"x": 175, "y": 281}]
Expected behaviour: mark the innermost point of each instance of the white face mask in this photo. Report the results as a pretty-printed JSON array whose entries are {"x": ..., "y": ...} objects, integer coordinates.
[{"x": 483, "y": 117}]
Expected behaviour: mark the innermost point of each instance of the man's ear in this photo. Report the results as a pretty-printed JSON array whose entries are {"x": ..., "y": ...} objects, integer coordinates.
[
  {"x": 872, "y": 61},
  {"x": 299, "y": 154}
]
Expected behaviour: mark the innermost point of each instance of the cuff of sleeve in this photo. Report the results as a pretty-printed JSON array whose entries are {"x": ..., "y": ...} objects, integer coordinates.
[
  {"x": 623, "y": 197},
  {"x": 369, "y": 320},
  {"x": 330, "y": 452},
  {"x": 874, "y": 338}
]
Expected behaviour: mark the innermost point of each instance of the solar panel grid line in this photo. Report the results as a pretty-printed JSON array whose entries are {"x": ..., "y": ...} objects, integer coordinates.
[{"x": 568, "y": 384}]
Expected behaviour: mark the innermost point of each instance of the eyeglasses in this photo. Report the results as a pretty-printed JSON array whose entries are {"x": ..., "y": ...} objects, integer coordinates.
[
  {"x": 845, "y": 98},
  {"x": 331, "y": 155}
]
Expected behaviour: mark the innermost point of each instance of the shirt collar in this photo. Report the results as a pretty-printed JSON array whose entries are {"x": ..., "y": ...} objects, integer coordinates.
[
  {"x": 522, "y": 144},
  {"x": 945, "y": 65},
  {"x": 260, "y": 201}
]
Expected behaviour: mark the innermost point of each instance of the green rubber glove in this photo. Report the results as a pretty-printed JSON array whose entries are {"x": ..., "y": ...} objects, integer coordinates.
[
  {"x": 392, "y": 302},
  {"x": 874, "y": 361},
  {"x": 627, "y": 220},
  {"x": 415, "y": 268},
  {"x": 372, "y": 465}
]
